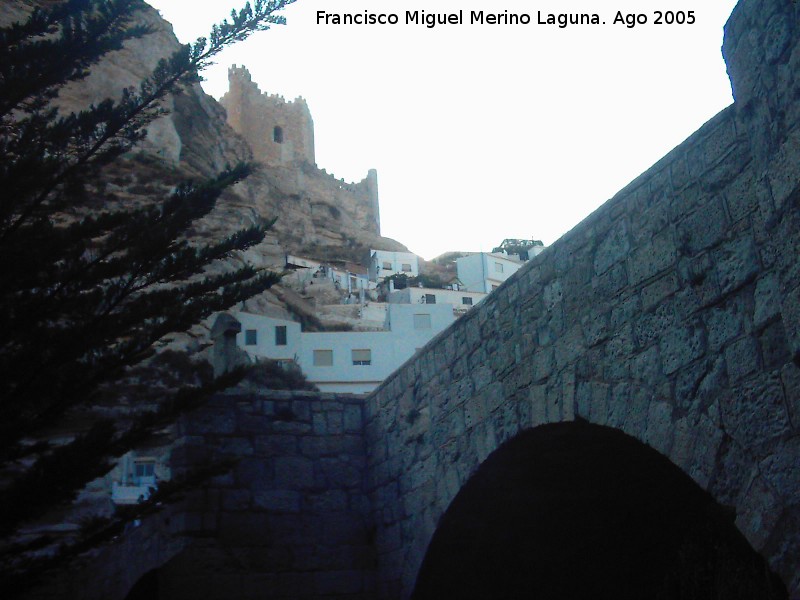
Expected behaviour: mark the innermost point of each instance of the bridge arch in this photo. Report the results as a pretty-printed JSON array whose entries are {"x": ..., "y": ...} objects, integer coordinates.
[{"x": 574, "y": 510}]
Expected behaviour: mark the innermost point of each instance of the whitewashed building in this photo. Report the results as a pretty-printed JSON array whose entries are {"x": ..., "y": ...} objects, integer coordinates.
[
  {"x": 460, "y": 300},
  {"x": 384, "y": 264},
  {"x": 345, "y": 361},
  {"x": 484, "y": 272}
]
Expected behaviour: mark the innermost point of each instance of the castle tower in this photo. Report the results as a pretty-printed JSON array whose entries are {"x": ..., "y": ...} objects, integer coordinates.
[{"x": 280, "y": 133}]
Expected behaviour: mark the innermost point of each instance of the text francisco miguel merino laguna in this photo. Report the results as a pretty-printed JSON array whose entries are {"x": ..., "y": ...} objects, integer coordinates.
[{"x": 476, "y": 17}]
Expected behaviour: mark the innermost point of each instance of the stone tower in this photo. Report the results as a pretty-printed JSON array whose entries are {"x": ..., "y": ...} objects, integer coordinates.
[{"x": 280, "y": 133}]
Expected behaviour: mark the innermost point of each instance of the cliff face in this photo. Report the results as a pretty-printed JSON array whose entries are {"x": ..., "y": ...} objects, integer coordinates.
[{"x": 318, "y": 215}]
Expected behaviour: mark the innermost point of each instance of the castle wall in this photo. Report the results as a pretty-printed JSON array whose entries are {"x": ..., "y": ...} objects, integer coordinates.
[
  {"x": 339, "y": 212},
  {"x": 280, "y": 133}
]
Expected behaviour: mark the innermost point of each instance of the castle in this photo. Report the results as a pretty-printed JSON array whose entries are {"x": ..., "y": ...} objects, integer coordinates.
[{"x": 281, "y": 136}]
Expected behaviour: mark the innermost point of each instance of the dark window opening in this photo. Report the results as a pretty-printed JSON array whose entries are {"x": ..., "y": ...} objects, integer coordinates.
[
  {"x": 250, "y": 337},
  {"x": 280, "y": 335},
  {"x": 277, "y": 134}
]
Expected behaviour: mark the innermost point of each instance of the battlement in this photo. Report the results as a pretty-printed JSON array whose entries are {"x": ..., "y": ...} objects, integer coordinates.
[{"x": 280, "y": 132}]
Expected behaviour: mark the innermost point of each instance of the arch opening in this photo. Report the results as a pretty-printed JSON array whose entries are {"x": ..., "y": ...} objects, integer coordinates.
[{"x": 574, "y": 510}]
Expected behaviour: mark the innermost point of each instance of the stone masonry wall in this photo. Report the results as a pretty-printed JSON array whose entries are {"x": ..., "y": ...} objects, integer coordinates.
[
  {"x": 671, "y": 314},
  {"x": 255, "y": 116},
  {"x": 289, "y": 520}
]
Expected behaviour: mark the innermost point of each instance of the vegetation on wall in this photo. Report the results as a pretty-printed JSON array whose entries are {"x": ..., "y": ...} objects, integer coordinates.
[{"x": 88, "y": 290}]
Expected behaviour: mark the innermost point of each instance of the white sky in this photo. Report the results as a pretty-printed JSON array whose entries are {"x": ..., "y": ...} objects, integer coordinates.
[{"x": 481, "y": 133}]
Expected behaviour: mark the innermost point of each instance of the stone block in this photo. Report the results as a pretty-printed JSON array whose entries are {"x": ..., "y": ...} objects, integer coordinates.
[
  {"x": 741, "y": 357},
  {"x": 790, "y": 378},
  {"x": 780, "y": 469},
  {"x": 653, "y": 294},
  {"x": 278, "y": 501},
  {"x": 774, "y": 346},
  {"x": 275, "y": 445},
  {"x": 254, "y": 473},
  {"x": 702, "y": 229},
  {"x": 736, "y": 264},
  {"x": 294, "y": 473},
  {"x": 650, "y": 260},
  {"x": 754, "y": 412},
  {"x": 333, "y": 500},
  {"x": 652, "y": 326},
  {"x": 724, "y": 323},
  {"x": 680, "y": 346},
  {"x": 611, "y": 282},
  {"x": 353, "y": 419},
  {"x": 613, "y": 248},
  {"x": 767, "y": 299},
  {"x": 659, "y": 431}
]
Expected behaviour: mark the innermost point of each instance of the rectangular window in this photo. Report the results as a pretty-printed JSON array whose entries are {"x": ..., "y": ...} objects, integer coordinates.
[
  {"x": 406, "y": 268},
  {"x": 466, "y": 300},
  {"x": 422, "y": 321},
  {"x": 362, "y": 357},
  {"x": 280, "y": 335},
  {"x": 430, "y": 298},
  {"x": 250, "y": 337},
  {"x": 498, "y": 267},
  {"x": 323, "y": 358},
  {"x": 387, "y": 266},
  {"x": 144, "y": 472}
]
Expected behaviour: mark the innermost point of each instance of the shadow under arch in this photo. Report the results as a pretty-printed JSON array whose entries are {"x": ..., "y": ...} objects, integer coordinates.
[{"x": 575, "y": 510}]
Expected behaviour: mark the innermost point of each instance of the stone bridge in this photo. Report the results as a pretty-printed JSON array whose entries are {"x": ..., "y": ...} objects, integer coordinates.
[
  {"x": 670, "y": 314},
  {"x": 648, "y": 358}
]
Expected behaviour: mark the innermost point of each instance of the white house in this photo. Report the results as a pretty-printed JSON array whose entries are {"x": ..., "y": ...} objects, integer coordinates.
[
  {"x": 384, "y": 264},
  {"x": 460, "y": 300},
  {"x": 484, "y": 272},
  {"x": 136, "y": 474},
  {"x": 306, "y": 271},
  {"x": 345, "y": 361}
]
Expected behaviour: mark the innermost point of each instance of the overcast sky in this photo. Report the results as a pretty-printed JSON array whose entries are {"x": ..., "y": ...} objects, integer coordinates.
[{"x": 485, "y": 132}]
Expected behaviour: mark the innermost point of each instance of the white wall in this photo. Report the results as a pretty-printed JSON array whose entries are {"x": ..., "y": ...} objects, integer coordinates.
[
  {"x": 395, "y": 262},
  {"x": 389, "y": 349},
  {"x": 417, "y": 295},
  {"x": 265, "y": 336},
  {"x": 479, "y": 272}
]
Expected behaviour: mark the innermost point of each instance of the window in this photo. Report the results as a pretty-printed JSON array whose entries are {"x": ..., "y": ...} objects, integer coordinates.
[
  {"x": 422, "y": 321},
  {"x": 323, "y": 358},
  {"x": 387, "y": 266},
  {"x": 466, "y": 300},
  {"x": 280, "y": 335},
  {"x": 406, "y": 268},
  {"x": 498, "y": 267},
  {"x": 277, "y": 135},
  {"x": 430, "y": 298},
  {"x": 250, "y": 337},
  {"x": 144, "y": 472},
  {"x": 362, "y": 357}
]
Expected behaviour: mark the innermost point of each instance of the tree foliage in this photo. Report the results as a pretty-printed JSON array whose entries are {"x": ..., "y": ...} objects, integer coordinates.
[{"x": 87, "y": 291}]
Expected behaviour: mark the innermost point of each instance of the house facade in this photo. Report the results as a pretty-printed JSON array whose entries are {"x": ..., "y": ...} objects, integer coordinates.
[
  {"x": 484, "y": 272},
  {"x": 345, "y": 361},
  {"x": 460, "y": 300},
  {"x": 384, "y": 264}
]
